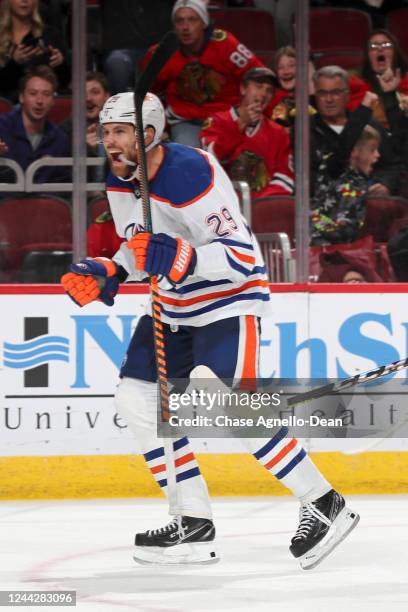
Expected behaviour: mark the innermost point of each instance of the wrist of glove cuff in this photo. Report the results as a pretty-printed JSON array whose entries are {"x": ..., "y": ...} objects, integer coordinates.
[{"x": 161, "y": 254}]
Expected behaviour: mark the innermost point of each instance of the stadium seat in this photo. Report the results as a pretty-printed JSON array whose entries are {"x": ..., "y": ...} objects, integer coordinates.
[
  {"x": 363, "y": 249},
  {"x": 348, "y": 60},
  {"x": 334, "y": 29},
  {"x": 61, "y": 110},
  {"x": 5, "y": 105},
  {"x": 44, "y": 266},
  {"x": 397, "y": 23},
  {"x": 217, "y": 4},
  {"x": 253, "y": 27},
  {"x": 274, "y": 214},
  {"x": 40, "y": 223},
  {"x": 381, "y": 214}
]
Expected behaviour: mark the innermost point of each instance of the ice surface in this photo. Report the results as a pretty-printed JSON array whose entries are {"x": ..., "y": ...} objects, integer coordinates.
[{"x": 87, "y": 546}]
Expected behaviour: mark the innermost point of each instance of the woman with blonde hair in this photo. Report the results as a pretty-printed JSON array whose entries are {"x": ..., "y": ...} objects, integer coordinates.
[{"x": 25, "y": 41}]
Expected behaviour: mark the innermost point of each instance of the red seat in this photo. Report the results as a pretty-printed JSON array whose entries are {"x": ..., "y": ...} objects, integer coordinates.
[
  {"x": 27, "y": 224},
  {"x": 363, "y": 249},
  {"x": 253, "y": 27},
  {"x": 336, "y": 28},
  {"x": 61, "y": 110},
  {"x": 5, "y": 105},
  {"x": 348, "y": 60},
  {"x": 274, "y": 214},
  {"x": 217, "y": 4},
  {"x": 397, "y": 23},
  {"x": 381, "y": 214}
]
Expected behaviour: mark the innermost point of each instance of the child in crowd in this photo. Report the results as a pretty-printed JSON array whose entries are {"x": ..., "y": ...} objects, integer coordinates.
[{"x": 338, "y": 206}]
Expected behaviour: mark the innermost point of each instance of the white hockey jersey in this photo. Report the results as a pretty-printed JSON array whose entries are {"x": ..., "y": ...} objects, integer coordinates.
[{"x": 193, "y": 198}]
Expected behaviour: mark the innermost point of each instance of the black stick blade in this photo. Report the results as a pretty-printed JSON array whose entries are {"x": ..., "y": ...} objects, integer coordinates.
[{"x": 162, "y": 54}]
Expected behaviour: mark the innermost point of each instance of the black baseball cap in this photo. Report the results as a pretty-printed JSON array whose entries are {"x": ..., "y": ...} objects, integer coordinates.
[{"x": 261, "y": 73}]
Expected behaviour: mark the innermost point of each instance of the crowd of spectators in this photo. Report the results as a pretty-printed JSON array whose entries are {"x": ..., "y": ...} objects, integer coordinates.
[{"x": 220, "y": 96}]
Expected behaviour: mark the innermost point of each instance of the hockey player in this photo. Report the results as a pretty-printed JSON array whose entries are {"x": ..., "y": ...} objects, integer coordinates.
[{"x": 211, "y": 311}]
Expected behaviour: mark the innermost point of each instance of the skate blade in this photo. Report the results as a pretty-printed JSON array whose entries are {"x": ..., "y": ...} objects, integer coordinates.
[
  {"x": 200, "y": 553},
  {"x": 339, "y": 530}
]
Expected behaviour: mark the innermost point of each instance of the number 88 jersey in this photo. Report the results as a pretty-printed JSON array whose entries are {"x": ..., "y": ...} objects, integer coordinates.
[{"x": 199, "y": 86}]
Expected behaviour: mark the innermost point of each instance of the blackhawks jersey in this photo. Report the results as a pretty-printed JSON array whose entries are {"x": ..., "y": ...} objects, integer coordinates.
[
  {"x": 260, "y": 155},
  {"x": 195, "y": 87},
  {"x": 192, "y": 197}
]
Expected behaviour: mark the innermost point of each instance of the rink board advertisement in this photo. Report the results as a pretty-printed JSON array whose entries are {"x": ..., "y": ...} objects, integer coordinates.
[{"x": 59, "y": 366}]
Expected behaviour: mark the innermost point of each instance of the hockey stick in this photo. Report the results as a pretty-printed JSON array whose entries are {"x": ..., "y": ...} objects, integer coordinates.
[
  {"x": 347, "y": 383},
  {"x": 165, "y": 49}
]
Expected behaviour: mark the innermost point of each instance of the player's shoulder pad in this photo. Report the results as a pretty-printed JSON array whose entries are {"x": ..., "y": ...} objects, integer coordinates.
[
  {"x": 219, "y": 35},
  {"x": 185, "y": 176},
  {"x": 113, "y": 183}
]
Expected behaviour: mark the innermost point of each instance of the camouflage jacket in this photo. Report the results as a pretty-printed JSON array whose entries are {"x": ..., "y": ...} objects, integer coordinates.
[{"x": 338, "y": 206}]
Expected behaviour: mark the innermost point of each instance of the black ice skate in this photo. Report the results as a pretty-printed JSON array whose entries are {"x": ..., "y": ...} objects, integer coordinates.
[
  {"x": 184, "y": 540},
  {"x": 323, "y": 524}
]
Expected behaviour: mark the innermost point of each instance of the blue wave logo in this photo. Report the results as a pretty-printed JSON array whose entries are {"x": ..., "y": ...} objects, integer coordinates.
[{"x": 36, "y": 352}]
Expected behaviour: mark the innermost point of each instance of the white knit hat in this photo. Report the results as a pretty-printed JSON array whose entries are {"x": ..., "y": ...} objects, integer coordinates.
[{"x": 199, "y": 6}]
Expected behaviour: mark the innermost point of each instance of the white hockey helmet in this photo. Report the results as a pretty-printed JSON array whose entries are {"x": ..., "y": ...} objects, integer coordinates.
[{"x": 121, "y": 109}]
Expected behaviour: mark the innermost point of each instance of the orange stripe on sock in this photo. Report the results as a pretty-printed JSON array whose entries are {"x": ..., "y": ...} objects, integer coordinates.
[
  {"x": 184, "y": 459},
  {"x": 281, "y": 454},
  {"x": 158, "y": 468}
]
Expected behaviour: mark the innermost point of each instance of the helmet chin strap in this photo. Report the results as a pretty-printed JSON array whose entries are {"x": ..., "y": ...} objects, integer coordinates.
[
  {"x": 124, "y": 160},
  {"x": 134, "y": 174}
]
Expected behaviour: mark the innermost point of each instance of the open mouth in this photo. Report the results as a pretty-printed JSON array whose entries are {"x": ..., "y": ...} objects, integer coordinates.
[{"x": 116, "y": 156}]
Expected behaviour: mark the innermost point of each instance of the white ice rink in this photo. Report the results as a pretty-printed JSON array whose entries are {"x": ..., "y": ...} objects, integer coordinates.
[{"x": 86, "y": 546}]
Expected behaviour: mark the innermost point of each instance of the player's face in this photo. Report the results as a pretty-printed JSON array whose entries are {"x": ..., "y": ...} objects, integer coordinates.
[
  {"x": 331, "y": 98},
  {"x": 119, "y": 140},
  {"x": 258, "y": 92},
  {"x": 189, "y": 27},
  {"x": 22, "y": 8},
  {"x": 286, "y": 72},
  {"x": 37, "y": 99},
  {"x": 96, "y": 97},
  {"x": 380, "y": 53}
]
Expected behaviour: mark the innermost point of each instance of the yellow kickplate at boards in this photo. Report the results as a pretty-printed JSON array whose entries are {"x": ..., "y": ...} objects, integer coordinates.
[{"x": 95, "y": 476}]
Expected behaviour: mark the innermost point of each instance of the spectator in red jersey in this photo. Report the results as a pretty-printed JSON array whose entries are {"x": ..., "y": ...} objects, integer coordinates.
[
  {"x": 203, "y": 76},
  {"x": 254, "y": 148},
  {"x": 102, "y": 239},
  {"x": 382, "y": 55}
]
